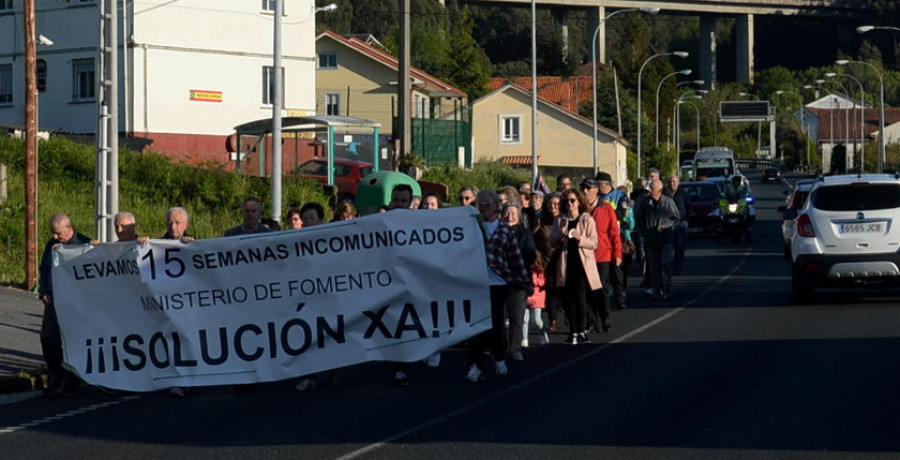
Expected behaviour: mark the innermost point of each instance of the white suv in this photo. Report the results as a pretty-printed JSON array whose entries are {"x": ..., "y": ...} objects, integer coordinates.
[{"x": 846, "y": 234}]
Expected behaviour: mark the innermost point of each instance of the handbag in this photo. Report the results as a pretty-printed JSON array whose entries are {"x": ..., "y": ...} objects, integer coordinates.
[{"x": 627, "y": 247}]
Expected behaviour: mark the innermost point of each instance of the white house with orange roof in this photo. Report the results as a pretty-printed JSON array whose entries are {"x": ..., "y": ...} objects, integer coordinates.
[{"x": 189, "y": 71}]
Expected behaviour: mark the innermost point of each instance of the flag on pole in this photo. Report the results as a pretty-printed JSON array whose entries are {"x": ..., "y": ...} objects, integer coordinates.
[{"x": 541, "y": 184}]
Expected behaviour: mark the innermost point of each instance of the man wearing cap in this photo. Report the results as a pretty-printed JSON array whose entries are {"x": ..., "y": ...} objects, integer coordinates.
[
  {"x": 589, "y": 188},
  {"x": 619, "y": 202}
]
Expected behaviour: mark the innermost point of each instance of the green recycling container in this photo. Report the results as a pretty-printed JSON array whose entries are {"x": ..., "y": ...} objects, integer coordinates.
[{"x": 374, "y": 190}]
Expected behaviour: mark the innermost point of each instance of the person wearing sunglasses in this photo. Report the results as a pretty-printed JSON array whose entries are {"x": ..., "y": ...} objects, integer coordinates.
[{"x": 575, "y": 233}]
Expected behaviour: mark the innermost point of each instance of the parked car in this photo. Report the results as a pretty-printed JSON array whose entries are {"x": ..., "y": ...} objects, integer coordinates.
[
  {"x": 796, "y": 198},
  {"x": 771, "y": 174},
  {"x": 347, "y": 174},
  {"x": 704, "y": 199},
  {"x": 847, "y": 234}
]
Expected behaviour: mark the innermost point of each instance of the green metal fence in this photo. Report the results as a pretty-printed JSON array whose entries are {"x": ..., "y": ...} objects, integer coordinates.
[{"x": 439, "y": 140}]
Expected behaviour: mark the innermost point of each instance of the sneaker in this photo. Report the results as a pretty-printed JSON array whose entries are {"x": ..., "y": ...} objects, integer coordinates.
[
  {"x": 650, "y": 292},
  {"x": 572, "y": 339},
  {"x": 400, "y": 379},
  {"x": 545, "y": 339},
  {"x": 517, "y": 356},
  {"x": 553, "y": 325},
  {"x": 583, "y": 338},
  {"x": 501, "y": 369},
  {"x": 474, "y": 374},
  {"x": 305, "y": 384},
  {"x": 433, "y": 360},
  {"x": 176, "y": 392}
]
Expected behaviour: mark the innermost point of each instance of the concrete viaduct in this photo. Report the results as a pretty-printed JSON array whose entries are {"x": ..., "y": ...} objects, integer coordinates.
[{"x": 743, "y": 11}]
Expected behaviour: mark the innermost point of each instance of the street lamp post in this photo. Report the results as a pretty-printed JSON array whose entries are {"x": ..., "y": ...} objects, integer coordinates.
[
  {"x": 803, "y": 122},
  {"x": 882, "y": 144},
  {"x": 676, "y": 115},
  {"x": 278, "y": 103},
  {"x": 681, "y": 54},
  {"x": 594, "y": 71},
  {"x": 659, "y": 87},
  {"x": 862, "y": 98},
  {"x": 758, "y": 125}
]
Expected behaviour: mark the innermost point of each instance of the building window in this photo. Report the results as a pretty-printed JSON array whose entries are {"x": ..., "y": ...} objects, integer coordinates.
[
  {"x": 6, "y": 5},
  {"x": 510, "y": 132},
  {"x": 41, "y": 70},
  {"x": 333, "y": 104},
  {"x": 328, "y": 61},
  {"x": 6, "y": 91},
  {"x": 268, "y": 5},
  {"x": 83, "y": 79},
  {"x": 268, "y": 83}
]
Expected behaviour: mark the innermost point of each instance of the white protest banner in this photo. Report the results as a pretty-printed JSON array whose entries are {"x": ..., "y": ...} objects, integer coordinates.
[{"x": 396, "y": 286}]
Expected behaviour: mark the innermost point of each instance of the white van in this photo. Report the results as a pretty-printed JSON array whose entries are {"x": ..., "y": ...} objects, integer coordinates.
[{"x": 713, "y": 162}]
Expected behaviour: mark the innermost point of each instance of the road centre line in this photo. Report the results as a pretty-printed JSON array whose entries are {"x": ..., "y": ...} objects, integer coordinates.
[
  {"x": 503, "y": 393},
  {"x": 71, "y": 413}
]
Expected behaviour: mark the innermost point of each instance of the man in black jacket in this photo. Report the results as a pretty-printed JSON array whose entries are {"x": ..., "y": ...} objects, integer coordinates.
[
  {"x": 61, "y": 382},
  {"x": 683, "y": 203}
]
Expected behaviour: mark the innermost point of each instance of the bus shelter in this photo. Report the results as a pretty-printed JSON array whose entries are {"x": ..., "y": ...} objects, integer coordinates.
[{"x": 260, "y": 129}]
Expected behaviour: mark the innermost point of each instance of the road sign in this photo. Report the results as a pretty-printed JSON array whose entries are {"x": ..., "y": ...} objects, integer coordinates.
[{"x": 744, "y": 110}]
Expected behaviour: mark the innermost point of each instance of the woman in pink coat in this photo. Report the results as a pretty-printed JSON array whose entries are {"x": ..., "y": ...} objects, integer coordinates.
[{"x": 575, "y": 232}]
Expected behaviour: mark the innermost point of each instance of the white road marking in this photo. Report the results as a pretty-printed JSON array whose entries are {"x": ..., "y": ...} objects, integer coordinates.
[
  {"x": 71, "y": 413},
  {"x": 503, "y": 393}
]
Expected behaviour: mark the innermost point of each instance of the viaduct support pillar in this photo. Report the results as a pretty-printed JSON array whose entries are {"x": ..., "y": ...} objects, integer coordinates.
[
  {"x": 708, "y": 51},
  {"x": 594, "y": 16},
  {"x": 744, "y": 48}
]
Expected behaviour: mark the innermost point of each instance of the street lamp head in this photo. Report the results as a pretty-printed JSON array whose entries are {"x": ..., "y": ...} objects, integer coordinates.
[
  {"x": 819, "y": 81},
  {"x": 830, "y": 74},
  {"x": 649, "y": 10},
  {"x": 45, "y": 41},
  {"x": 842, "y": 62},
  {"x": 864, "y": 29},
  {"x": 699, "y": 82},
  {"x": 681, "y": 54},
  {"x": 685, "y": 72},
  {"x": 702, "y": 91},
  {"x": 327, "y": 8}
]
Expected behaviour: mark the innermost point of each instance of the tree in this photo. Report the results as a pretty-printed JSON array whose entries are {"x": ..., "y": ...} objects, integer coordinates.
[{"x": 469, "y": 67}]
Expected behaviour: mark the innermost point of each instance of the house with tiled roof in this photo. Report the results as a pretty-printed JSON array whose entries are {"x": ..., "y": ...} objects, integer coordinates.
[
  {"x": 501, "y": 131},
  {"x": 355, "y": 77},
  {"x": 834, "y": 120},
  {"x": 567, "y": 92}
]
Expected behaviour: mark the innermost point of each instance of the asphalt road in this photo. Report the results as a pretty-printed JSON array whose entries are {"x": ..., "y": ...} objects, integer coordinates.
[{"x": 729, "y": 369}]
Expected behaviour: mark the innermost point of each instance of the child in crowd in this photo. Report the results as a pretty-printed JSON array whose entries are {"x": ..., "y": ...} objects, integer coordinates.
[{"x": 535, "y": 303}]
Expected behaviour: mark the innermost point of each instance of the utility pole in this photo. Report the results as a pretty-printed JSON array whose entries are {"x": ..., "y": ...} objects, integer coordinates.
[
  {"x": 404, "y": 86},
  {"x": 30, "y": 146},
  {"x": 106, "y": 189}
]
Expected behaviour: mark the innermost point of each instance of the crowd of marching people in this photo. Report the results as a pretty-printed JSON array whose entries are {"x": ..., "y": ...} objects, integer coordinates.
[{"x": 557, "y": 261}]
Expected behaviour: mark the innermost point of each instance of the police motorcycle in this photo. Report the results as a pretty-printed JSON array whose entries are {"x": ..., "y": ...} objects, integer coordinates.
[{"x": 735, "y": 211}]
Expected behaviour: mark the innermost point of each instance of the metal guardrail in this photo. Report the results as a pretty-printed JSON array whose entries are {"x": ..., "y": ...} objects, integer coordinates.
[{"x": 754, "y": 163}]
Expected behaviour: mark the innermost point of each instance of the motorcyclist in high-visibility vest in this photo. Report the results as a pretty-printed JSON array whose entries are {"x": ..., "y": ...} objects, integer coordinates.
[{"x": 735, "y": 188}]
